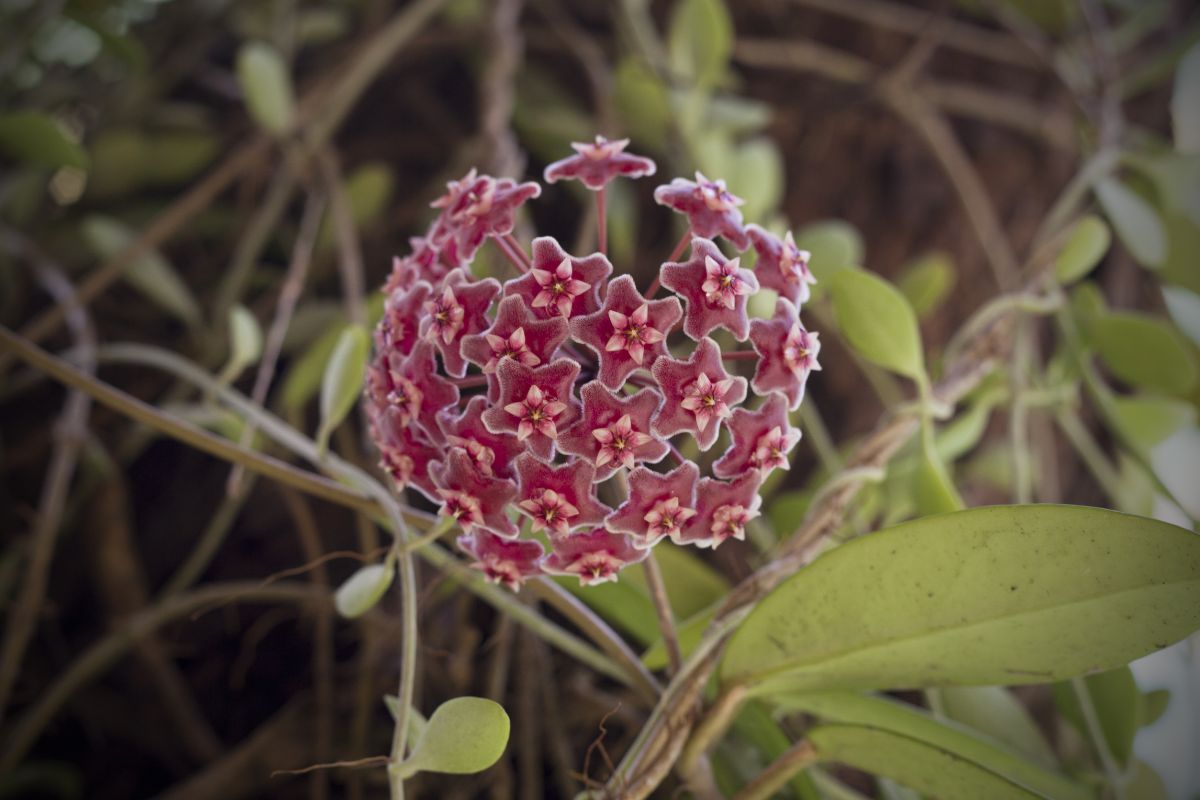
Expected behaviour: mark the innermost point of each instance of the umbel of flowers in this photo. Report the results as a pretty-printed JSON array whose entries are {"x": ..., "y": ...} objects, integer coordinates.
[{"x": 510, "y": 405}]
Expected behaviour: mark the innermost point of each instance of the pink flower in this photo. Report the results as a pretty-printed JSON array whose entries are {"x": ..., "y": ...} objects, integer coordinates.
[
  {"x": 697, "y": 394},
  {"x": 788, "y": 353},
  {"x": 595, "y": 556},
  {"x": 715, "y": 289},
  {"x": 781, "y": 265},
  {"x": 613, "y": 431},
  {"x": 710, "y": 208},
  {"x": 722, "y": 510},
  {"x": 658, "y": 505},
  {"x": 463, "y": 304},
  {"x": 515, "y": 333},
  {"x": 475, "y": 500},
  {"x": 479, "y": 206},
  {"x": 428, "y": 261},
  {"x": 558, "y": 498},
  {"x": 761, "y": 440},
  {"x": 411, "y": 387},
  {"x": 628, "y": 332},
  {"x": 397, "y": 329},
  {"x": 503, "y": 560},
  {"x": 559, "y": 284},
  {"x": 534, "y": 402},
  {"x": 404, "y": 453},
  {"x": 598, "y": 163},
  {"x": 492, "y": 453}
]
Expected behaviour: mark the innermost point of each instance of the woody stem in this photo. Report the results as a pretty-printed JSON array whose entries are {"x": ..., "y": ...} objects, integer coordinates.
[{"x": 602, "y": 220}]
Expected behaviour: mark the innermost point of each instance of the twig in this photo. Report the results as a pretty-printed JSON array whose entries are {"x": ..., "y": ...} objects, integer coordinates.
[
  {"x": 798, "y": 758},
  {"x": 662, "y": 609},
  {"x": 350, "y": 257},
  {"x": 496, "y": 91}
]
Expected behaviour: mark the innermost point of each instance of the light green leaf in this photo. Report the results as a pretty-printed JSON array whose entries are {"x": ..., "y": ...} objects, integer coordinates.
[
  {"x": 757, "y": 176},
  {"x": 245, "y": 338},
  {"x": 1185, "y": 102},
  {"x": 1145, "y": 351},
  {"x": 926, "y": 282},
  {"x": 364, "y": 589},
  {"x": 1183, "y": 242},
  {"x": 343, "y": 379},
  {"x": 700, "y": 40},
  {"x": 266, "y": 86},
  {"x": 786, "y": 511},
  {"x": 689, "y": 633},
  {"x": 367, "y": 190},
  {"x": 1117, "y": 702},
  {"x": 1154, "y": 705},
  {"x": 36, "y": 138},
  {"x": 150, "y": 273},
  {"x": 1087, "y": 244},
  {"x": 986, "y": 596},
  {"x": 995, "y": 711},
  {"x": 834, "y": 244},
  {"x": 878, "y": 322},
  {"x": 1184, "y": 308},
  {"x": 1149, "y": 420},
  {"x": 463, "y": 736},
  {"x": 1138, "y": 225},
  {"x": 933, "y": 489},
  {"x": 620, "y": 604},
  {"x": 643, "y": 102},
  {"x": 946, "y": 737},
  {"x": 173, "y": 158}
]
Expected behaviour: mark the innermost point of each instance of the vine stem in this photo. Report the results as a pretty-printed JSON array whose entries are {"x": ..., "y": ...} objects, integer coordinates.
[
  {"x": 514, "y": 259},
  {"x": 800, "y": 756},
  {"x": 662, "y": 609},
  {"x": 1096, "y": 734},
  {"x": 519, "y": 250}
]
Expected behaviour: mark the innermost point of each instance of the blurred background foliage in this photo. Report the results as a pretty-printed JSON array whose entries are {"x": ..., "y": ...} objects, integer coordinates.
[{"x": 164, "y": 157}]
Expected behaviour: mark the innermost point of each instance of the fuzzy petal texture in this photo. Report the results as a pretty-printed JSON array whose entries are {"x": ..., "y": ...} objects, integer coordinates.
[
  {"x": 787, "y": 354},
  {"x": 479, "y": 206},
  {"x": 398, "y": 328},
  {"x": 723, "y": 509},
  {"x": 411, "y": 387},
  {"x": 614, "y": 431},
  {"x": 456, "y": 309},
  {"x": 628, "y": 332},
  {"x": 535, "y": 403},
  {"x": 762, "y": 440},
  {"x": 593, "y": 556},
  {"x": 404, "y": 453},
  {"x": 698, "y": 394},
  {"x": 475, "y": 500},
  {"x": 658, "y": 505},
  {"x": 506, "y": 561},
  {"x": 711, "y": 210},
  {"x": 515, "y": 333},
  {"x": 559, "y": 284},
  {"x": 597, "y": 163},
  {"x": 493, "y": 453},
  {"x": 559, "y": 498},
  {"x": 715, "y": 288},
  {"x": 781, "y": 265}
]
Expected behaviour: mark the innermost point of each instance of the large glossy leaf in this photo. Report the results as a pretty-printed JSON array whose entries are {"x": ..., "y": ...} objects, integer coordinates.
[
  {"x": 1145, "y": 351},
  {"x": 1000, "y": 595},
  {"x": 878, "y": 321},
  {"x": 949, "y": 738}
]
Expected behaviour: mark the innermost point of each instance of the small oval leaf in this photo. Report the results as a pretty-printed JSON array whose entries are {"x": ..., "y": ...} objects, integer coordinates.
[
  {"x": 927, "y": 282},
  {"x": 364, "y": 589},
  {"x": 1138, "y": 225},
  {"x": 343, "y": 379},
  {"x": 833, "y": 245},
  {"x": 150, "y": 273},
  {"x": 245, "y": 338},
  {"x": 1000, "y": 595},
  {"x": 464, "y": 735},
  {"x": 36, "y": 138},
  {"x": 266, "y": 85},
  {"x": 878, "y": 322},
  {"x": 1087, "y": 244},
  {"x": 1144, "y": 351},
  {"x": 700, "y": 40}
]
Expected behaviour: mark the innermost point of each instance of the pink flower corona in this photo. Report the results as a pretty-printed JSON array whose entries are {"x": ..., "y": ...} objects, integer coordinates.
[{"x": 514, "y": 403}]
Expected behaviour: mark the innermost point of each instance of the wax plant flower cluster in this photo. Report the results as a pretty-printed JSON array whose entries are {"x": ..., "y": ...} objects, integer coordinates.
[{"x": 511, "y": 404}]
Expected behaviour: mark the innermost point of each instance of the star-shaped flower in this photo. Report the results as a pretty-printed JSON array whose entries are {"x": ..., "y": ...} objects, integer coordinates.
[
  {"x": 658, "y": 505},
  {"x": 715, "y": 288},
  {"x": 479, "y": 206},
  {"x": 475, "y": 500},
  {"x": 698, "y": 394},
  {"x": 507, "y": 561},
  {"x": 410, "y": 386},
  {"x": 722, "y": 510},
  {"x": 404, "y": 453},
  {"x": 614, "y": 432},
  {"x": 762, "y": 440},
  {"x": 559, "y": 284},
  {"x": 558, "y": 498},
  {"x": 534, "y": 403},
  {"x": 628, "y": 332},
  {"x": 457, "y": 310},
  {"x": 515, "y": 333},
  {"x": 429, "y": 260},
  {"x": 781, "y": 265},
  {"x": 597, "y": 163},
  {"x": 397, "y": 329},
  {"x": 788, "y": 353},
  {"x": 594, "y": 556},
  {"x": 710, "y": 208},
  {"x": 493, "y": 453}
]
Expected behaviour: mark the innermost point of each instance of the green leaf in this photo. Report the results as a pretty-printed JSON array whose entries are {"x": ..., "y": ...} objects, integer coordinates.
[
  {"x": 266, "y": 86},
  {"x": 786, "y": 511},
  {"x": 957, "y": 742},
  {"x": 834, "y": 244},
  {"x": 1145, "y": 351},
  {"x": 926, "y": 282},
  {"x": 1117, "y": 702},
  {"x": 367, "y": 190},
  {"x": 1087, "y": 244},
  {"x": 700, "y": 40},
  {"x": 644, "y": 104},
  {"x": 878, "y": 322},
  {"x": 1001, "y": 595},
  {"x": 364, "y": 589},
  {"x": 933, "y": 489},
  {"x": 689, "y": 633},
  {"x": 1184, "y": 308},
  {"x": 757, "y": 176},
  {"x": 621, "y": 604},
  {"x": 1149, "y": 420},
  {"x": 150, "y": 273},
  {"x": 995, "y": 711},
  {"x": 1185, "y": 102},
  {"x": 342, "y": 383},
  {"x": 1154, "y": 705},
  {"x": 465, "y": 735},
  {"x": 1138, "y": 225},
  {"x": 36, "y": 138},
  {"x": 245, "y": 338}
]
